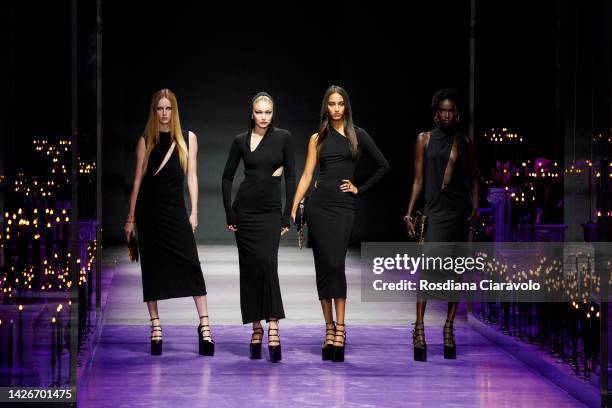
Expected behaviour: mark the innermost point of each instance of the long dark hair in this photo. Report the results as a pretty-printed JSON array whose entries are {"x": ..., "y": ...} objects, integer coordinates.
[{"x": 349, "y": 128}]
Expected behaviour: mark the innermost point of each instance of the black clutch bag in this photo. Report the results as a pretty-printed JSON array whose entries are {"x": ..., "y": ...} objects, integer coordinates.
[
  {"x": 300, "y": 221},
  {"x": 132, "y": 245},
  {"x": 420, "y": 223}
]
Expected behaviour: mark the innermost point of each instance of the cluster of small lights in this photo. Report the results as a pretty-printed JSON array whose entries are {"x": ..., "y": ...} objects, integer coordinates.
[
  {"x": 589, "y": 168},
  {"x": 42, "y": 225},
  {"x": 33, "y": 225},
  {"x": 578, "y": 286},
  {"x": 528, "y": 180},
  {"x": 87, "y": 168},
  {"x": 501, "y": 135},
  {"x": 601, "y": 138}
]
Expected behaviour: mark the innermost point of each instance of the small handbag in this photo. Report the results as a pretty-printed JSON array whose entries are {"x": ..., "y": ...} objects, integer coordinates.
[
  {"x": 132, "y": 245},
  {"x": 300, "y": 221},
  {"x": 420, "y": 221}
]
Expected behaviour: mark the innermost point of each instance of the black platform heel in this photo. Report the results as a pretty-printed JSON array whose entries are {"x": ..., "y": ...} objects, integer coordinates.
[
  {"x": 339, "y": 349},
  {"x": 418, "y": 340},
  {"x": 327, "y": 351},
  {"x": 450, "y": 348},
  {"x": 274, "y": 347},
  {"x": 205, "y": 341},
  {"x": 156, "y": 338},
  {"x": 255, "y": 346}
]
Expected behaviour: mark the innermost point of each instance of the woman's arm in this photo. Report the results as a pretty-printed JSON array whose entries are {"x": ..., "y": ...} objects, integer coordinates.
[
  {"x": 289, "y": 169},
  {"x": 226, "y": 183},
  {"x": 417, "y": 184},
  {"x": 138, "y": 173},
  {"x": 374, "y": 152},
  {"x": 306, "y": 179},
  {"x": 192, "y": 179}
]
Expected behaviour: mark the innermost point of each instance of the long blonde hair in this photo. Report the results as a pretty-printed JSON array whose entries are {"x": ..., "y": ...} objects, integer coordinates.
[{"x": 151, "y": 132}]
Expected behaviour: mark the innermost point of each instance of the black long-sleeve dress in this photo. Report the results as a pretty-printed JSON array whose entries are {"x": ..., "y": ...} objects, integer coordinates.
[
  {"x": 168, "y": 252},
  {"x": 256, "y": 212},
  {"x": 330, "y": 212}
]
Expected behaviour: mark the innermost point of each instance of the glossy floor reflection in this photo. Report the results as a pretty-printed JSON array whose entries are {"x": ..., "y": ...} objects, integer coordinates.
[{"x": 378, "y": 372}]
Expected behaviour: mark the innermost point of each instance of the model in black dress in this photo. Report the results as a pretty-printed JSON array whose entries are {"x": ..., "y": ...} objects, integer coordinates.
[
  {"x": 256, "y": 218},
  {"x": 168, "y": 252},
  {"x": 446, "y": 163},
  {"x": 330, "y": 210}
]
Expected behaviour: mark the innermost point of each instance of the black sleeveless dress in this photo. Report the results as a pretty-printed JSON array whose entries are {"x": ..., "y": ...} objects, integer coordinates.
[
  {"x": 168, "y": 253},
  {"x": 448, "y": 208},
  {"x": 257, "y": 214},
  {"x": 330, "y": 212}
]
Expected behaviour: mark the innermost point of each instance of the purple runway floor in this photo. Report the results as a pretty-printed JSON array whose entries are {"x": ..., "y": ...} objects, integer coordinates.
[{"x": 379, "y": 372}]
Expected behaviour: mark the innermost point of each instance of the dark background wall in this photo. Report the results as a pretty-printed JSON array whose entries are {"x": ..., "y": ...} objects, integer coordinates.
[
  {"x": 217, "y": 57},
  {"x": 541, "y": 68}
]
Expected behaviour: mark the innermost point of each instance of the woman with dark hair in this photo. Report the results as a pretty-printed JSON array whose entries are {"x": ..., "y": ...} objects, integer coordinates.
[
  {"x": 330, "y": 210},
  {"x": 168, "y": 253},
  {"x": 445, "y": 162},
  {"x": 256, "y": 218}
]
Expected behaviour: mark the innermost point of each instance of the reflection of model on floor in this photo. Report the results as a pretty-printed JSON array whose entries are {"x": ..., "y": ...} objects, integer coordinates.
[
  {"x": 168, "y": 252},
  {"x": 330, "y": 210},
  {"x": 445, "y": 159}
]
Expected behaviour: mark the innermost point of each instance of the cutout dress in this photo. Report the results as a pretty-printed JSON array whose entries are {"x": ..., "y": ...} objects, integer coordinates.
[
  {"x": 168, "y": 252},
  {"x": 256, "y": 212}
]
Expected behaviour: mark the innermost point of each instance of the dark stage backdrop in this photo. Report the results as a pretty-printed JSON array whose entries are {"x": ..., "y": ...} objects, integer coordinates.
[{"x": 215, "y": 57}]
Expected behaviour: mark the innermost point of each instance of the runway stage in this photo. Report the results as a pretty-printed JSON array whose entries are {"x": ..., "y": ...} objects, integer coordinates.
[{"x": 379, "y": 370}]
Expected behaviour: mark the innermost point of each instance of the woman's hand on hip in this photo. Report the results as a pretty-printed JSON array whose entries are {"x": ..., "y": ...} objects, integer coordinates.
[
  {"x": 348, "y": 187},
  {"x": 232, "y": 227},
  {"x": 284, "y": 231}
]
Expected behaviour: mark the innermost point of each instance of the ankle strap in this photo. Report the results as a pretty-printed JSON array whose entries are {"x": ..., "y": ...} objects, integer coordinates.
[
  {"x": 332, "y": 322},
  {"x": 201, "y": 317},
  {"x": 340, "y": 324},
  {"x": 155, "y": 318}
]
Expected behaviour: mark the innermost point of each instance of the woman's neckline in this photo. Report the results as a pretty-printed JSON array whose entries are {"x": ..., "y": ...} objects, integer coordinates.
[{"x": 336, "y": 130}]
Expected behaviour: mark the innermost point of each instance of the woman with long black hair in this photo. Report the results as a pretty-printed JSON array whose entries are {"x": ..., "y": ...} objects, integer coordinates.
[
  {"x": 330, "y": 210},
  {"x": 256, "y": 218},
  {"x": 445, "y": 163},
  {"x": 165, "y": 154}
]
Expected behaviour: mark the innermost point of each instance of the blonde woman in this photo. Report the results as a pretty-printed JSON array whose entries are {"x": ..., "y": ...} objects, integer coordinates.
[
  {"x": 168, "y": 252},
  {"x": 257, "y": 220}
]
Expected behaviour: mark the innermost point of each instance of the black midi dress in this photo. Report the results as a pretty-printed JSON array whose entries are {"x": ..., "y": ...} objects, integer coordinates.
[
  {"x": 330, "y": 212},
  {"x": 447, "y": 207},
  {"x": 256, "y": 212},
  {"x": 168, "y": 253}
]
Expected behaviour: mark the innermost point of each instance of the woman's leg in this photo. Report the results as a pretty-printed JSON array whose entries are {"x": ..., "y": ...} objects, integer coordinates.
[
  {"x": 452, "y": 311},
  {"x": 326, "y": 306},
  {"x": 156, "y": 331},
  {"x": 420, "y": 311},
  {"x": 418, "y": 333},
  {"x": 340, "y": 304},
  {"x": 202, "y": 307},
  {"x": 450, "y": 349},
  {"x": 153, "y": 312}
]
